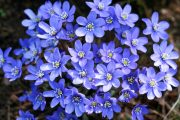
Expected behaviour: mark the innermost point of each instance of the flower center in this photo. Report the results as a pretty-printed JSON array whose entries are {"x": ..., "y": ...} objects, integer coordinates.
[
  {"x": 82, "y": 74},
  {"x": 152, "y": 83},
  {"x": 166, "y": 77},
  {"x": 15, "y": 71},
  {"x": 123, "y": 35},
  {"x": 64, "y": 15},
  {"x": 164, "y": 56},
  {"x": 34, "y": 52},
  {"x": 94, "y": 104},
  {"x": 124, "y": 16},
  {"x": 138, "y": 109},
  {"x": 77, "y": 99},
  {"x": 56, "y": 64},
  {"x": 134, "y": 42},
  {"x": 51, "y": 11},
  {"x": 37, "y": 19},
  {"x": 107, "y": 104},
  {"x": 2, "y": 60},
  {"x": 58, "y": 93},
  {"x": 125, "y": 61},
  {"x": 109, "y": 76},
  {"x": 90, "y": 79},
  {"x": 53, "y": 31},
  {"x": 40, "y": 74},
  {"x": 130, "y": 80},
  {"x": 126, "y": 94},
  {"x": 109, "y": 20},
  {"x": 90, "y": 26},
  {"x": 81, "y": 54},
  {"x": 100, "y": 6},
  {"x": 155, "y": 27},
  {"x": 70, "y": 34},
  {"x": 110, "y": 55}
]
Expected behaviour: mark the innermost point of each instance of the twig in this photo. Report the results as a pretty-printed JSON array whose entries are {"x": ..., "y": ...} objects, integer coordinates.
[{"x": 172, "y": 108}]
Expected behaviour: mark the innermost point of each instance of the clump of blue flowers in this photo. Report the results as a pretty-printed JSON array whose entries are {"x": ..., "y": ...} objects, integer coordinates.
[{"x": 73, "y": 75}]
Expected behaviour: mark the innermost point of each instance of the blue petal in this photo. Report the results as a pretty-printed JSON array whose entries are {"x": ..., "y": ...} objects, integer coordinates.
[{"x": 54, "y": 102}]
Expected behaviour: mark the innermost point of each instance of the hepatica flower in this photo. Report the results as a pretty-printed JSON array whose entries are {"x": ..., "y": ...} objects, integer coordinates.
[
  {"x": 109, "y": 53},
  {"x": 83, "y": 74},
  {"x": 164, "y": 55},
  {"x": 127, "y": 95},
  {"x": 152, "y": 83},
  {"x": 24, "y": 43},
  {"x": 130, "y": 81},
  {"x": 81, "y": 54},
  {"x": 111, "y": 20},
  {"x": 76, "y": 102},
  {"x": 169, "y": 80},
  {"x": 33, "y": 21},
  {"x": 109, "y": 106},
  {"x": 94, "y": 105},
  {"x": 56, "y": 63},
  {"x": 100, "y": 7},
  {"x": 108, "y": 76},
  {"x": 36, "y": 74},
  {"x": 96, "y": 52},
  {"x": 58, "y": 93},
  {"x": 139, "y": 111},
  {"x": 155, "y": 28},
  {"x": 123, "y": 33},
  {"x": 25, "y": 115},
  {"x": 51, "y": 30},
  {"x": 127, "y": 61},
  {"x": 136, "y": 43},
  {"x": 64, "y": 14},
  {"x": 125, "y": 17},
  {"x": 90, "y": 27},
  {"x": 4, "y": 56},
  {"x": 12, "y": 69}
]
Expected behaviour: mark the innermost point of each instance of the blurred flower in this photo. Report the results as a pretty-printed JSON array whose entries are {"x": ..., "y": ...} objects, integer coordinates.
[
  {"x": 127, "y": 95},
  {"x": 25, "y": 115},
  {"x": 4, "y": 56},
  {"x": 90, "y": 27},
  {"x": 156, "y": 29}
]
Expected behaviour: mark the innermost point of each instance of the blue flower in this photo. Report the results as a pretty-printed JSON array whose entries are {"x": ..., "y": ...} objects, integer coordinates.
[
  {"x": 138, "y": 112},
  {"x": 136, "y": 43},
  {"x": 100, "y": 7},
  {"x": 123, "y": 33},
  {"x": 111, "y": 20},
  {"x": 32, "y": 54},
  {"x": 127, "y": 61},
  {"x": 33, "y": 21},
  {"x": 36, "y": 74},
  {"x": 127, "y": 95},
  {"x": 68, "y": 33},
  {"x": 12, "y": 69},
  {"x": 81, "y": 53},
  {"x": 83, "y": 74},
  {"x": 60, "y": 114},
  {"x": 125, "y": 17},
  {"x": 58, "y": 93},
  {"x": 37, "y": 99},
  {"x": 108, "y": 76},
  {"x": 90, "y": 27},
  {"x": 25, "y": 115},
  {"x": 109, "y": 106},
  {"x": 169, "y": 80},
  {"x": 97, "y": 54},
  {"x": 49, "y": 43},
  {"x": 164, "y": 55},
  {"x": 4, "y": 56},
  {"x": 51, "y": 30},
  {"x": 64, "y": 14},
  {"x": 94, "y": 105},
  {"x": 48, "y": 9},
  {"x": 152, "y": 83},
  {"x": 109, "y": 53},
  {"x": 24, "y": 47},
  {"x": 56, "y": 63},
  {"x": 156, "y": 29},
  {"x": 130, "y": 81},
  {"x": 75, "y": 102}
]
